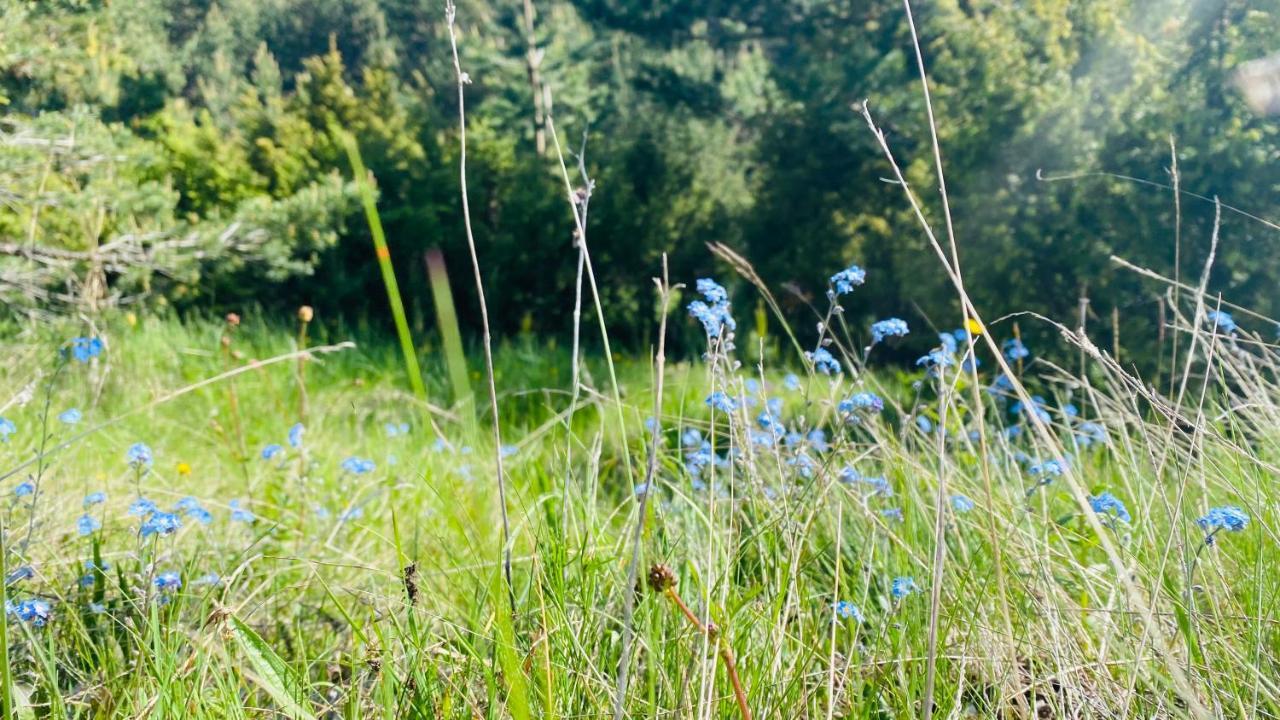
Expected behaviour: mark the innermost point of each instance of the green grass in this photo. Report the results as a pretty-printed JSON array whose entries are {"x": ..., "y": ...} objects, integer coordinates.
[{"x": 313, "y": 616}]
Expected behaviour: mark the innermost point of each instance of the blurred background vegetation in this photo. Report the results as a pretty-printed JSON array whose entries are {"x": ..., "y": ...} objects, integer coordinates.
[{"x": 177, "y": 154}]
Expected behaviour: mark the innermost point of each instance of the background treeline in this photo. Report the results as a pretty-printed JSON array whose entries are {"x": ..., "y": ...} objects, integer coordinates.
[{"x": 180, "y": 151}]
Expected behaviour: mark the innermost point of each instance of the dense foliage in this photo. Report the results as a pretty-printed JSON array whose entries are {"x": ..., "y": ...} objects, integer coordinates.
[{"x": 192, "y": 139}]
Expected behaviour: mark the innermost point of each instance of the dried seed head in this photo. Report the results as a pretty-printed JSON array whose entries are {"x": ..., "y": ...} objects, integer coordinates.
[
  {"x": 233, "y": 319},
  {"x": 661, "y": 578},
  {"x": 411, "y": 582},
  {"x": 305, "y": 313}
]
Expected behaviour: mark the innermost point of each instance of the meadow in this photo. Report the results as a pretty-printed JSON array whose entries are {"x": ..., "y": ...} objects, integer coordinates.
[
  {"x": 272, "y": 514},
  {"x": 201, "y": 521}
]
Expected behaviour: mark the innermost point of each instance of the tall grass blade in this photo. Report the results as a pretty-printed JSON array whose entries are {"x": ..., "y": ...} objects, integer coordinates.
[
  {"x": 273, "y": 674},
  {"x": 384, "y": 261},
  {"x": 447, "y": 321}
]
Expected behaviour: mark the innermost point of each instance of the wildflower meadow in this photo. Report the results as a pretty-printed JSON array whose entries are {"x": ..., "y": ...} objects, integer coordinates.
[{"x": 707, "y": 493}]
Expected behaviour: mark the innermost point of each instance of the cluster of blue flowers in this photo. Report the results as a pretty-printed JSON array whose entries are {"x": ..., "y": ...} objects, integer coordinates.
[
  {"x": 1014, "y": 350},
  {"x": 83, "y": 349},
  {"x": 1222, "y": 322},
  {"x": 139, "y": 456},
  {"x": 358, "y": 465},
  {"x": 824, "y": 362},
  {"x": 1110, "y": 506},
  {"x": 713, "y": 311},
  {"x": 1227, "y": 517},
  {"x": 903, "y": 586},
  {"x": 860, "y": 401},
  {"x": 846, "y": 280},
  {"x": 891, "y": 327},
  {"x": 33, "y": 611}
]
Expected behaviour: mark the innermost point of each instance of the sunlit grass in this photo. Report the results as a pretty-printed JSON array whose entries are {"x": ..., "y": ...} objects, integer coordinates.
[{"x": 314, "y": 614}]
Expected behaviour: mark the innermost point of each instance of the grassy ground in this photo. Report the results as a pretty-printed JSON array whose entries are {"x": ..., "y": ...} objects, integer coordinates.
[{"x": 815, "y": 558}]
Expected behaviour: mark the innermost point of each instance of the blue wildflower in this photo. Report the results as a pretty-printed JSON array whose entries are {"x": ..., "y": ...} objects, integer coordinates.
[
  {"x": 141, "y": 507},
  {"x": 1105, "y": 503},
  {"x": 17, "y": 575},
  {"x": 240, "y": 514},
  {"x": 903, "y": 586},
  {"x": 207, "y": 579},
  {"x": 95, "y": 498},
  {"x": 357, "y": 465},
  {"x": 722, "y": 402},
  {"x": 1222, "y": 322},
  {"x": 84, "y": 349},
  {"x": 396, "y": 429},
  {"x": 961, "y": 503},
  {"x": 295, "y": 435},
  {"x": 935, "y": 359},
  {"x": 791, "y": 381},
  {"x": 139, "y": 455},
  {"x": 948, "y": 343},
  {"x": 88, "y": 524},
  {"x": 168, "y": 581},
  {"x": 691, "y": 438},
  {"x": 712, "y": 290},
  {"x": 200, "y": 515},
  {"x": 24, "y": 489},
  {"x": 1226, "y": 517},
  {"x": 714, "y": 313},
  {"x": 824, "y": 362},
  {"x": 845, "y": 280},
  {"x": 509, "y": 450},
  {"x": 70, "y": 416},
  {"x": 891, "y": 327},
  {"x": 1036, "y": 406},
  {"x": 1048, "y": 468},
  {"x": 7, "y": 428},
  {"x": 818, "y": 440},
  {"x": 892, "y": 514},
  {"x": 924, "y": 423},
  {"x": 35, "y": 612},
  {"x": 1014, "y": 350},
  {"x": 160, "y": 523},
  {"x": 846, "y": 610},
  {"x": 862, "y": 401},
  {"x": 1001, "y": 385},
  {"x": 271, "y": 451},
  {"x": 1089, "y": 433}
]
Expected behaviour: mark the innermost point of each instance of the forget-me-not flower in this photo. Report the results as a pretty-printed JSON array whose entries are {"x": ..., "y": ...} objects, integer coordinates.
[
  {"x": 849, "y": 278},
  {"x": 890, "y": 327}
]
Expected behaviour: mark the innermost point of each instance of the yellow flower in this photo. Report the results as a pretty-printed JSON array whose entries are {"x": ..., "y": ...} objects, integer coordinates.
[
  {"x": 184, "y": 469},
  {"x": 973, "y": 326},
  {"x": 131, "y": 319}
]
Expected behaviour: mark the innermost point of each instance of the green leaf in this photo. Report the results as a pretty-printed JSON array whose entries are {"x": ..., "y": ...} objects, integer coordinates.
[{"x": 275, "y": 676}]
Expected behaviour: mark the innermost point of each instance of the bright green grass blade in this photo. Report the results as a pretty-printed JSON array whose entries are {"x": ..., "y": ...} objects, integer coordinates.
[
  {"x": 275, "y": 676},
  {"x": 384, "y": 261}
]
